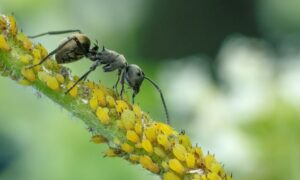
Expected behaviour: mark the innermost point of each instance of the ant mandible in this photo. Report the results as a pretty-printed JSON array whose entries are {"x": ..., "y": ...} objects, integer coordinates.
[{"x": 78, "y": 45}]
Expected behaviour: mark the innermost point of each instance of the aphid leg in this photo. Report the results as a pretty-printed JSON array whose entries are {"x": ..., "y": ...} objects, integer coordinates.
[
  {"x": 115, "y": 87},
  {"x": 55, "y": 33},
  {"x": 162, "y": 98},
  {"x": 52, "y": 53},
  {"x": 85, "y": 75}
]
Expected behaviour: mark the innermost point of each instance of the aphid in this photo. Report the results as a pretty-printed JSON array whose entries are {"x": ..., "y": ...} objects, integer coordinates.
[
  {"x": 78, "y": 45},
  {"x": 146, "y": 144},
  {"x": 176, "y": 166},
  {"x": 170, "y": 176}
]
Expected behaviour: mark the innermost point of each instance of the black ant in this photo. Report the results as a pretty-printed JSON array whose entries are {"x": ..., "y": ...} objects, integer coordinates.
[{"x": 78, "y": 45}]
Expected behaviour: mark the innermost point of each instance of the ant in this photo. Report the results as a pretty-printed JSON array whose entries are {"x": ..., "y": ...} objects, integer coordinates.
[{"x": 78, "y": 45}]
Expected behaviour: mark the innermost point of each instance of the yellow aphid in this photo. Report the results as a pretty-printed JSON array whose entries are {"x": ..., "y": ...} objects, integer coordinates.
[
  {"x": 42, "y": 49},
  {"x": 138, "y": 145},
  {"x": 138, "y": 128},
  {"x": 228, "y": 177},
  {"x": 111, "y": 101},
  {"x": 60, "y": 78},
  {"x": 98, "y": 139},
  {"x": 196, "y": 177},
  {"x": 132, "y": 136},
  {"x": 100, "y": 97},
  {"x": 222, "y": 170},
  {"x": 162, "y": 139},
  {"x": 127, "y": 148},
  {"x": 216, "y": 167},
  {"x": 112, "y": 112},
  {"x": 198, "y": 152},
  {"x": 117, "y": 141},
  {"x": 90, "y": 84},
  {"x": 213, "y": 176},
  {"x": 154, "y": 168},
  {"x": 28, "y": 74},
  {"x": 190, "y": 160},
  {"x": 134, "y": 158},
  {"x": 26, "y": 42},
  {"x": 3, "y": 44},
  {"x": 102, "y": 114},
  {"x": 204, "y": 177},
  {"x": 12, "y": 25},
  {"x": 93, "y": 103},
  {"x": 160, "y": 152},
  {"x": 170, "y": 176},
  {"x": 74, "y": 90},
  {"x": 184, "y": 140},
  {"x": 49, "y": 64},
  {"x": 52, "y": 83},
  {"x": 164, "y": 128},
  {"x": 146, "y": 144},
  {"x": 165, "y": 165},
  {"x": 176, "y": 166},
  {"x": 147, "y": 163},
  {"x": 37, "y": 55},
  {"x": 150, "y": 133},
  {"x": 111, "y": 153},
  {"x": 137, "y": 111},
  {"x": 25, "y": 59},
  {"x": 2, "y": 23},
  {"x": 179, "y": 152},
  {"x": 119, "y": 124},
  {"x": 128, "y": 119},
  {"x": 24, "y": 82},
  {"x": 209, "y": 160},
  {"x": 43, "y": 76},
  {"x": 36, "y": 68},
  {"x": 121, "y": 106}
]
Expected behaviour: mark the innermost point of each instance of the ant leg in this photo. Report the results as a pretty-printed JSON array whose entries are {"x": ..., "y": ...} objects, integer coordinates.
[
  {"x": 133, "y": 96},
  {"x": 55, "y": 33},
  {"x": 52, "y": 53},
  {"x": 85, "y": 75},
  {"x": 122, "y": 84},
  {"x": 116, "y": 85}
]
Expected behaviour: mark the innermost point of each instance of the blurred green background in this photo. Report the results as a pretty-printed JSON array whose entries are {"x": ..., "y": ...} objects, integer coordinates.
[{"x": 229, "y": 71}]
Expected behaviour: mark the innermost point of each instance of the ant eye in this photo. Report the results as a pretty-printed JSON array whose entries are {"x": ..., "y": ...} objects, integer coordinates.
[{"x": 138, "y": 74}]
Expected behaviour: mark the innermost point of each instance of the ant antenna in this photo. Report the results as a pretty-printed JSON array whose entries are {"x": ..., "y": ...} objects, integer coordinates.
[
  {"x": 55, "y": 33},
  {"x": 162, "y": 97}
]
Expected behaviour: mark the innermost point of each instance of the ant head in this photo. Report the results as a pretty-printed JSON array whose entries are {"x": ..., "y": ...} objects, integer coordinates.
[{"x": 134, "y": 77}]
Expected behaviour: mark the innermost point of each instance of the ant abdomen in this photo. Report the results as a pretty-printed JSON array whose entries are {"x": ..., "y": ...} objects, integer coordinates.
[{"x": 71, "y": 52}]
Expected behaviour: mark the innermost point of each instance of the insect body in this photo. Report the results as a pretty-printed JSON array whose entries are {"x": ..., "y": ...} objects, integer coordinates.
[
  {"x": 71, "y": 51},
  {"x": 78, "y": 45}
]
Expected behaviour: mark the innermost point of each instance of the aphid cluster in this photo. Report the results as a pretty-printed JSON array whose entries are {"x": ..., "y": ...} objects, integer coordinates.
[
  {"x": 133, "y": 135},
  {"x": 78, "y": 45}
]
